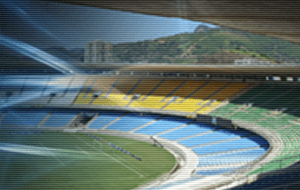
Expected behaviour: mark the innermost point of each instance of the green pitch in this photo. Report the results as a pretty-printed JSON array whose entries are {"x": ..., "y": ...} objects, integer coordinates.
[{"x": 56, "y": 160}]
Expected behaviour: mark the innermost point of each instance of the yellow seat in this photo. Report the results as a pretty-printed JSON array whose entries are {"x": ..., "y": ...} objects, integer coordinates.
[
  {"x": 112, "y": 100},
  {"x": 151, "y": 102},
  {"x": 82, "y": 98},
  {"x": 189, "y": 105}
]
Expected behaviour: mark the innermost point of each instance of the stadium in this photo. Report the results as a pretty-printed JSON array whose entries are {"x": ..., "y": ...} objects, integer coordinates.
[{"x": 154, "y": 126}]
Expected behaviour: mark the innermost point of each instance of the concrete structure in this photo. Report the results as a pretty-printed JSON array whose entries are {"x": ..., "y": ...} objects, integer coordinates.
[
  {"x": 276, "y": 18},
  {"x": 98, "y": 52}
]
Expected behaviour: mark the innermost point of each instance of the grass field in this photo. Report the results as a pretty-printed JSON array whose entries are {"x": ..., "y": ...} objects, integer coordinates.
[{"x": 57, "y": 160}]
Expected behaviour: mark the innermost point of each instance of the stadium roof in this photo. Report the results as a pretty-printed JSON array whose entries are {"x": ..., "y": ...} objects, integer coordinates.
[
  {"x": 274, "y": 18},
  {"x": 291, "y": 71}
]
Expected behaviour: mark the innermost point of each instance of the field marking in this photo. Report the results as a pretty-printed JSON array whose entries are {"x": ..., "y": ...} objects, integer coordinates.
[
  {"x": 53, "y": 155},
  {"x": 116, "y": 160},
  {"x": 85, "y": 152},
  {"x": 52, "y": 152},
  {"x": 123, "y": 159}
]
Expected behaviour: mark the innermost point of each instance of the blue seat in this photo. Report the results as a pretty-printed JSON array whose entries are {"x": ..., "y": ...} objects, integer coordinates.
[
  {"x": 131, "y": 121},
  {"x": 215, "y": 171},
  {"x": 162, "y": 125},
  {"x": 104, "y": 118},
  {"x": 191, "y": 129},
  {"x": 226, "y": 146},
  {"x": 231, "y": 158},
  {"x": 60, "y": 119},
  {"x": 23, "y": 117},
  {"x": 207, "y": 138}
]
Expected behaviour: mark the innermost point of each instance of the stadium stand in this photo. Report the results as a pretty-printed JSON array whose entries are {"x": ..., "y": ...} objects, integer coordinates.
[
  {"x": 208, "y": 138},
  {"x": 266, "y": 101},
  {"x": 234, "y": 145},
  {"x": 230, "y": 90},
  {"x": 231, "y": 158},
  {"x": 208, "y": 90},
  {"x": 69, "y": 89},
  {"x": 131, "y": 121},
  {"x": 146, "y": 86},
  {"x": 124, "y": 85},
  {"x": 192, "y": 129},
  {"x": 216, "y": 147},
  {"x": 185, "y": 96},
  {"x": 104, "y": 119},
  {"x": 166, "y": 88},
  {"x": 152, "y": 102},
  {"x": 187, "y": 88},
  {"x": 189, "y": 105},
  {"x": 84, "y": 98},
  {"x": 215, "y": 171},
  {"x": 162, "y": 125},
  {"x": 20, "y": 117},
  {"x": 60, "y": 119},
  {"x": 105, "y": 84},
  {"x": 271, "y": 105}
]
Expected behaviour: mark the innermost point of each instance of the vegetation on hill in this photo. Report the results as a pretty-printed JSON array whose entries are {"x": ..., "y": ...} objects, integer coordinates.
[{"x": 214, "y": 46}]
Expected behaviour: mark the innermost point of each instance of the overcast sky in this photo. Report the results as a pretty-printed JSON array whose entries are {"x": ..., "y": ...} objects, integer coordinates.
[{"x": 74, "y": 25}]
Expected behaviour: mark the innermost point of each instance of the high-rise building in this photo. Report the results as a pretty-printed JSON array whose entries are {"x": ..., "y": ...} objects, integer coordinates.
[{"x": 98, "y": 52}]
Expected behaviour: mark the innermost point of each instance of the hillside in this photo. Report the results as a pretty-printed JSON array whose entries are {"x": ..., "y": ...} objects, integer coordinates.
[{"x": 208, "y": 46}]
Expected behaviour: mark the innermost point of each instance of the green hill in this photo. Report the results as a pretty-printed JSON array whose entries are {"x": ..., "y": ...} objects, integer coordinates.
[{"x": 214, "y": 46}]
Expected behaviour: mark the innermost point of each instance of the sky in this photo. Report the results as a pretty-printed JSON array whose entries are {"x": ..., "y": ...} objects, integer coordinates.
[{"x": 72, "y": 26}]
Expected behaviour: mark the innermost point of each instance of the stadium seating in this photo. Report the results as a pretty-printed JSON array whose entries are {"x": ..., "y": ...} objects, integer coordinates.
[
  {"x": 266, "y": 100},
  {"x": 230, "y": 90},
  {"x": 83, "y": 98},
  {"x": 215, "y": 171},
  {"x": 20, "y": 117},
  {"x": 208, "y": 138},
  {"x": 215, "y": 146},
  {"x": 189, "y": 105},
  {"x": 167, "y": 87},
  {"x": 60, "y": 119},
  {"x": 208, "y": 89},
  {"x": 146, "y": 86},
  {"x": 131, "y": 121},
  {"x": 162, "y": 125},
  {"x": 101, "y": 84},
  {"x": 104, "y": 119},
  {"x": 192, "y": 96},
  {"x": 192, "y": 129},
  {"x": 234, "y": 145},
  {"x": 105, "y": 84},
  {"x": 187, "y": 88},
  {"x": 273, "y": 106},
  {"x": 124, "y": 85},
  {"x": 240, "y": 157},
  {"x": 152, "y": 102}
]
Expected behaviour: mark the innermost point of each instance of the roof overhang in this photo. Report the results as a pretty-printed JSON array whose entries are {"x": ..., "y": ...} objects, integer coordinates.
[
  {"x": 274, "y": 18},
  {"x": 288, "y": 71}
]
